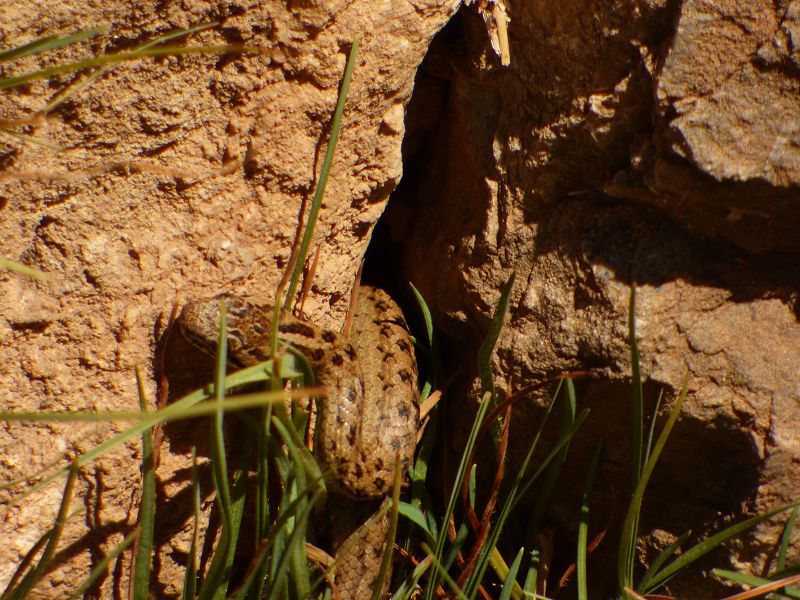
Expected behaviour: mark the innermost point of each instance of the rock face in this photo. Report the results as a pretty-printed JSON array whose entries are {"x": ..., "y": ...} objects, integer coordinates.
[
  {"x": 178, "y": 178},
  {"x": 725, "y": 109},
  {"x": 647, "y": 143}
]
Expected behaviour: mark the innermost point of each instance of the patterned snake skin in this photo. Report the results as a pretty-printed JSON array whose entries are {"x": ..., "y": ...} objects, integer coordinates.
[{"x": 367, "y": 421}]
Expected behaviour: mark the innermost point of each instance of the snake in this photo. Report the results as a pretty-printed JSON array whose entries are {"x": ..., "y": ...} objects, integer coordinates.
[{"x": 366, "y": 421}]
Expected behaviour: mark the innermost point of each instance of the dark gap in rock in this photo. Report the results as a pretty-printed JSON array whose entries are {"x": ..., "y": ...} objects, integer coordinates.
[
  {"x": 387, "y": 264},
  {"x": 384, "y": 265}
]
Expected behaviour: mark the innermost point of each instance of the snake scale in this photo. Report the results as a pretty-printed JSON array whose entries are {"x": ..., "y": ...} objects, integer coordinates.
[{"x": 367, "y": 420}]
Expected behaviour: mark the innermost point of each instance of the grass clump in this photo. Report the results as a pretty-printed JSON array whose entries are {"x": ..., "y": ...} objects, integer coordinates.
[{"x": 451, "y": 549}]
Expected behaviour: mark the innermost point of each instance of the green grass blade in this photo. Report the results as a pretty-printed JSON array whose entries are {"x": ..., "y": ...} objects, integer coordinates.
[
  {"x": 662, "y": 558},
  {"x": 419, "y": 472},
  {"x": 216, "y": 583},
  {"x": 181, "y": 409},
  {"x": 388, "y": 550},
  {"x": 455, "y": 547},
  {"x": 432, "y": 346},
  {"x": 489, "y": 341},
  {"x": 487, "y": 387},
  {"x": 239, "y": 496},
  {"x": 651, "y": 433},
  {"x": 565, "y": 438},
  {"x": 50, "y": 42},
  {"x": 757, "y": 582},
  {"x": 417, "y": 517},
  {"x": 426, "y": 313},
  {"x": 190, "y": 577},
  {"x": 485, "y": 355},
  {"x": 445, "y": 576},
  {"x": 280, "y": 532},
  {"x": 406, "y": 589},
  {"x": 788, "y": 571},
  {"x": 471, "y": 491},
  {"x": 517, "y": 491},
  {"x": 33, "y": 140},
  {"x": 303, "y": 469},
  {"x": 502, "y": 570},
  {"x": 25, "y": 564},
  {"x": 583, "y": 525},
  {"x": 263, "y": 507},
  {"x": 147, "y": 507},
  {"x": 106, "y": 59},
  {"x": 638, "y": 392},
  {"x": 247, "y": 588},
  {"x": 147, "y": 420},
  {"x": 82, "y": 84},
  {"x": 219, "y": 459},
  {"x": 295, "y": 540},
  {"x": 627, "y": 546},
  {"x": 511, "y": 579},
  {"x": 319, "y": 192},
  {"x": 179, "y": 33},
  {"x": 786, "y": 539},
  {"x": 532, "y": 576},
  {"x": 553, "y": 473},
  {"x": 460, "y": 474},
  {"x": 626, "y": 557},
  {"x": 34, "y": 575},
  {"x": 290, "y": 510},
  {"x": 302, "y": 458},
  {"x": 102, "y": 567},
  {"x": 296, "y": 549},
  {"x": 13, "y": 265}
]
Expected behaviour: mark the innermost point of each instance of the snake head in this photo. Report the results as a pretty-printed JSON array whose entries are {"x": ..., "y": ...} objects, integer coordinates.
[{"x": 199, "y": 323}]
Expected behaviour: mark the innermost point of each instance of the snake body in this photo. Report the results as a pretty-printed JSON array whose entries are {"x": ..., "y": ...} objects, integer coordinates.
[{"x": 367, "y": 421}]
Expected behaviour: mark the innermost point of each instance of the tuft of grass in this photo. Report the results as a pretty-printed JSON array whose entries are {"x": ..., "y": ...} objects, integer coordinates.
[
  {"x": 457, "y": 553},
  {"x": 669, "y": 563},
  {"x": 459, "y": 558}
]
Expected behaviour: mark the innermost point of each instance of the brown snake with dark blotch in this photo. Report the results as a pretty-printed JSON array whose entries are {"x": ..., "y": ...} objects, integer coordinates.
[{"x": 367, "y": 420}]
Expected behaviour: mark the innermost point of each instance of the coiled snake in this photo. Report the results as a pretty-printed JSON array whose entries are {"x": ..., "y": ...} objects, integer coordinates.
[{"x": 367, "y": 420}]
